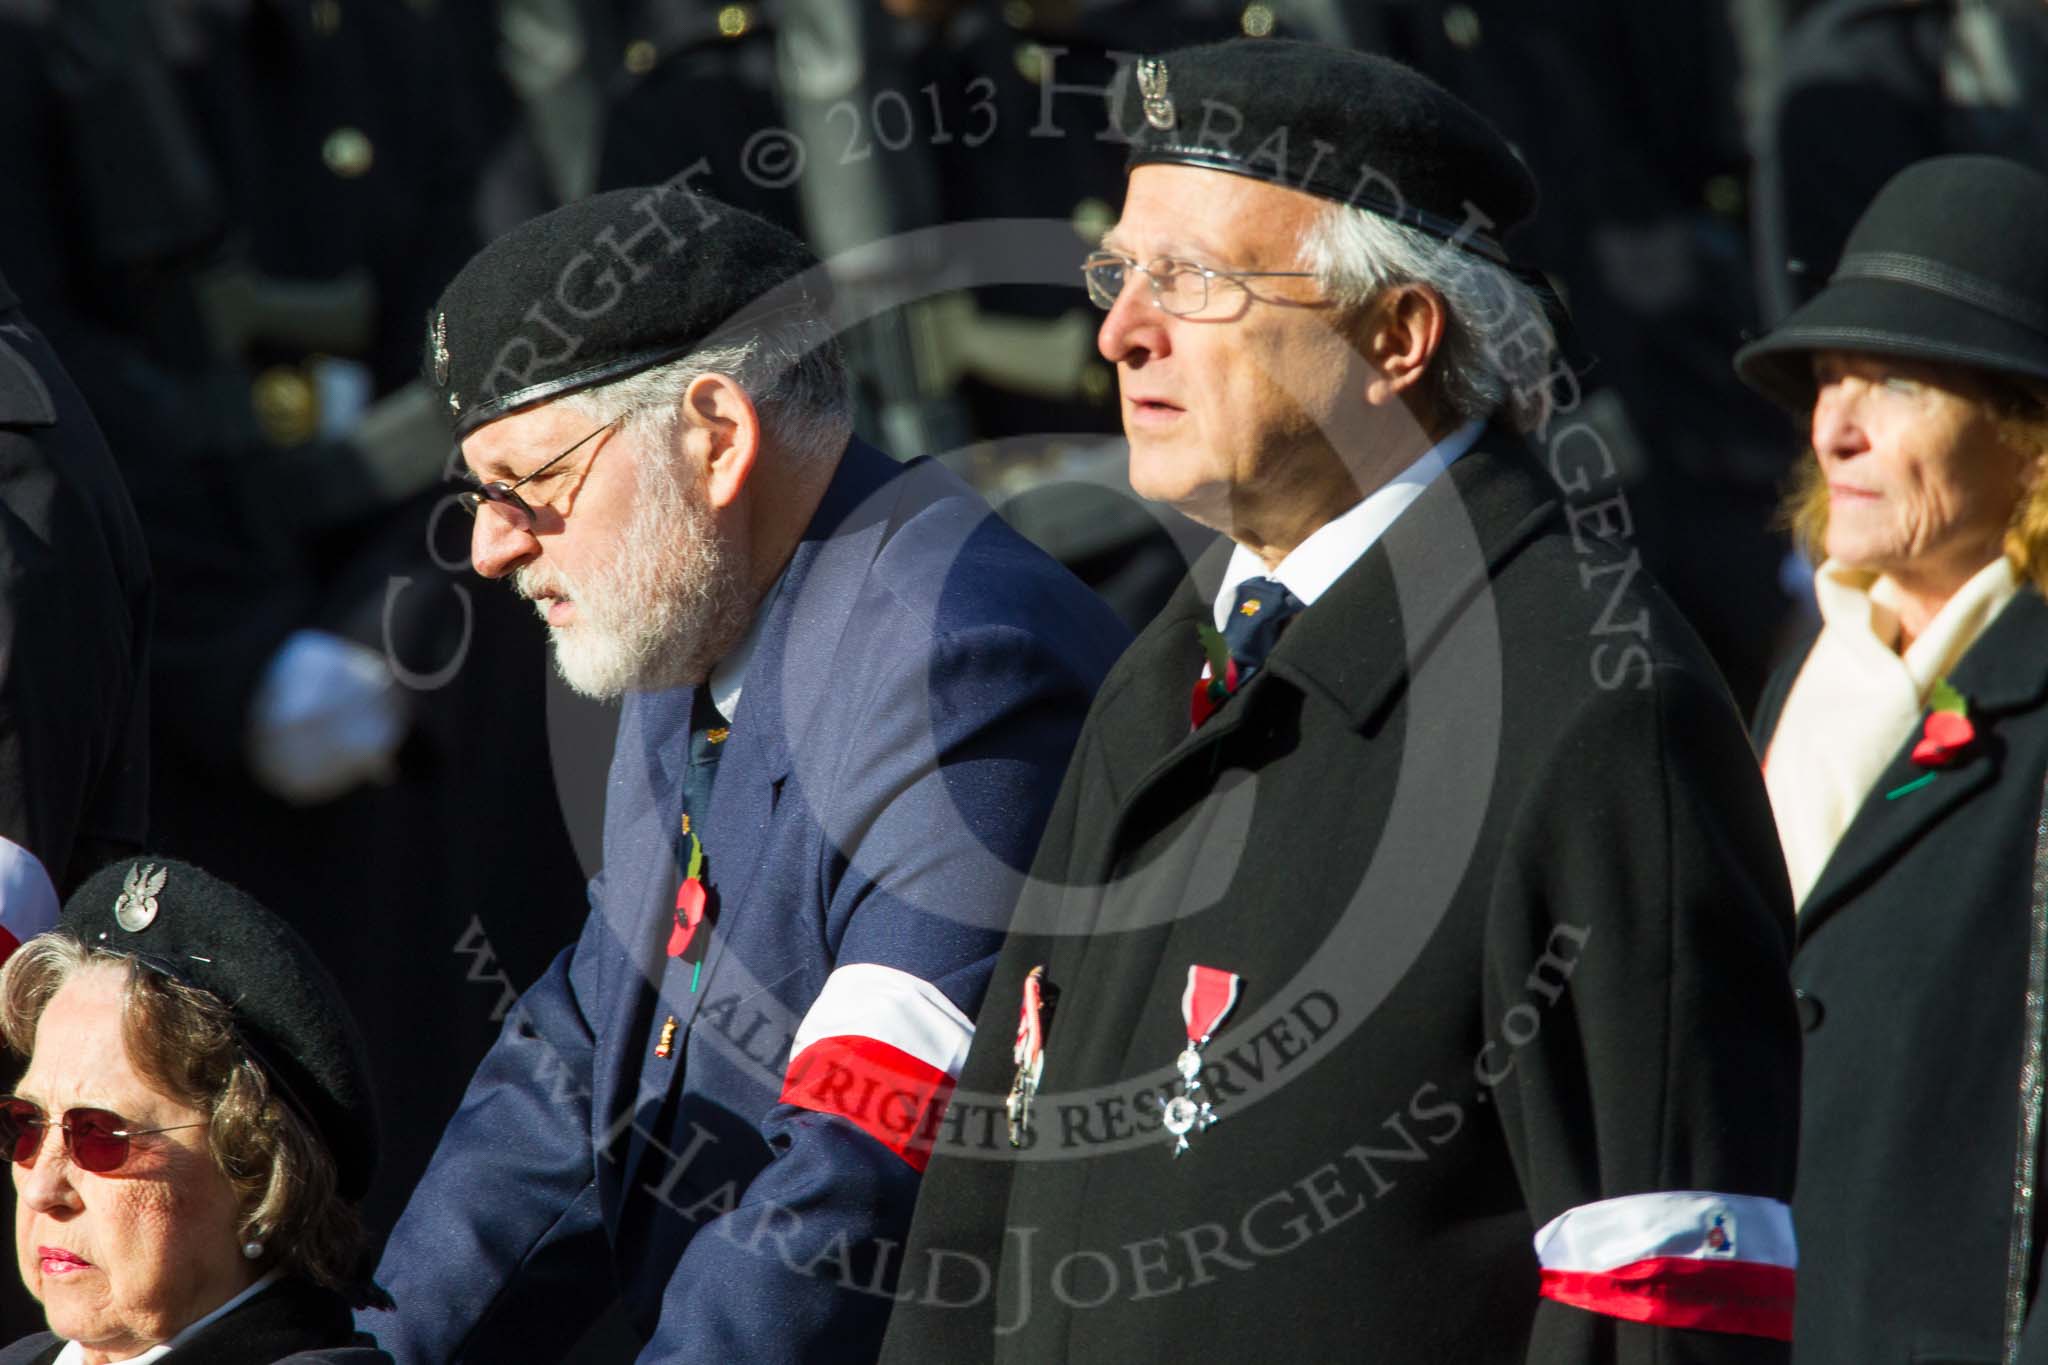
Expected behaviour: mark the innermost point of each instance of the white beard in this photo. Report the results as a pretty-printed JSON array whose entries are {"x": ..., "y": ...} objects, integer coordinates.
[{"x": 662, "y": 610}]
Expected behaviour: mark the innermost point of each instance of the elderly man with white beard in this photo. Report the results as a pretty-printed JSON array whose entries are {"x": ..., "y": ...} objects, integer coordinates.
[{"x": 850, "y": 692}]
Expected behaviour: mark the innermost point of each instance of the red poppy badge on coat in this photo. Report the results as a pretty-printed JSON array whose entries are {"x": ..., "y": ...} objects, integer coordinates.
[
  {"x": 1947, "y": 731},
  {"x": 1218, "y": 680}
]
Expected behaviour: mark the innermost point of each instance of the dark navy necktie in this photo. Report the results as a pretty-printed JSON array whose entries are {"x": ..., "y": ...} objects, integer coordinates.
[
  {"x": 1263, "y": 607},
  {"x": 708, "y": 733}
]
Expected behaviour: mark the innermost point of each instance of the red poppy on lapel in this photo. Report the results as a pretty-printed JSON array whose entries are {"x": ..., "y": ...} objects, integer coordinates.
[
  {"x": 1218, "y": 680},
  {"x": 690, "y": 900},
  {"x": 1947, "y": 731},
  {"x": 689, "y": 914}
]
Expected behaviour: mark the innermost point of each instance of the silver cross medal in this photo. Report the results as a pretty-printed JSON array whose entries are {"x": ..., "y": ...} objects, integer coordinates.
[
  {"x": 1211, "y": 994},
  {"x": 1022, "y": 1091},
  {"x": 1184, "y": 1113}
]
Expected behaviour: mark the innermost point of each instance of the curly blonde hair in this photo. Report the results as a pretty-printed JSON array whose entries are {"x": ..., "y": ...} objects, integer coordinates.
[
  {"x": 184, "y": 1042},
  {"x": 2019, "y": 412}
]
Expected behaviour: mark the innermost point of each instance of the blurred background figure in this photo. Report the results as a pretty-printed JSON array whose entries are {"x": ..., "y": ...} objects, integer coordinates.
[
  {"x": 1629, "y": 114},
  {"x": 74, "y": 641},
  {"x": 1864, "y": 88}
]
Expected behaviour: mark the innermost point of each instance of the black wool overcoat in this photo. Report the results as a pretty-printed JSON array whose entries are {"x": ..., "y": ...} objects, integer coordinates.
[
  {"x": 290, "y": 1323},
  {"x": 1489, "y": 849},
  {"x": 75, "y": 605},
  {"x": 1911, "y": 967}
]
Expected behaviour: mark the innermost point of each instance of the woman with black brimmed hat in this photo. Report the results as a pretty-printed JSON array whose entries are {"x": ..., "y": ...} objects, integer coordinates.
[
  {"x": 1905, "y": 753},
  {"x": 193, "y": 1135}
]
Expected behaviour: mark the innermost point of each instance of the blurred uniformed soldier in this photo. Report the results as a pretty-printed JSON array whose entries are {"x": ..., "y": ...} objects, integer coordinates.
[
  {"x": 1868, "y": 87},
  {"x": 1629, "y": 116},
  {"x": 74, "y": 641}
]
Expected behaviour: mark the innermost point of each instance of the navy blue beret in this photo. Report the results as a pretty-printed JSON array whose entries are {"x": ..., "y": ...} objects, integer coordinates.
[
  {"x": 605, "y": 287},
  {"x": 193, "y": 927},
  {"x": 1349, "y": 126}
]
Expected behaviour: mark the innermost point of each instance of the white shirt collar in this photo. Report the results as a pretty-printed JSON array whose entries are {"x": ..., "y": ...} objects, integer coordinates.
[
  {"x": 1856, "y": 700},
  {"x": 1321, "y": 559},
  {"x": 74, "y": 1354},
  {"x": 1862, "y": 609},
  {"x": 729, "y": 677}
]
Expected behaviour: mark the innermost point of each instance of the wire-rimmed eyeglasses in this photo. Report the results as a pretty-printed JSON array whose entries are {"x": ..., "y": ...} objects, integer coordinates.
[
  {"x": 97, "y": 1139},
  {"x": 505, "y": 496},
  {"x": 1182, "y": 288}
]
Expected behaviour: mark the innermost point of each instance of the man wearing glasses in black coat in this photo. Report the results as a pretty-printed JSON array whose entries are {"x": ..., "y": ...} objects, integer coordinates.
[{"x": 1404, "y": 973}]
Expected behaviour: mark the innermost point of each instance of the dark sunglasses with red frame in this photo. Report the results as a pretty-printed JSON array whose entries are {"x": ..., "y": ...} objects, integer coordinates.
[{"x": 96, "y": 1138}]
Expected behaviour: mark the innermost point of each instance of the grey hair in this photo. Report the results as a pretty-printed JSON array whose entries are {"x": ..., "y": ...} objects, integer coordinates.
[
  {"x": 1499, "y": 347},
  {"x": 793, "y": 369}
]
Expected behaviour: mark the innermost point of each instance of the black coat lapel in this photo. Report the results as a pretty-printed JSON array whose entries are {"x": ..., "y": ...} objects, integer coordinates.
[
  {"x": 291, "y": 1320},
  {"x": 41, "y": 1348},
  {"x": 1393, "y": 606},
  {"x": 2005, "y": 672},
  {"x": 1355, "y": 647},
  {"x": 1159, "y": 672},
  {"x": 290, "y": 1317},
  {"x": 824, "y": 576}
]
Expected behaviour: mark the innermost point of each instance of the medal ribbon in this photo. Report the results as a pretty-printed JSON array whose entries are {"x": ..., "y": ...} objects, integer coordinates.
[
  {"x": 1211, "y": 994},
  {"x": 1031, "y": 1022},
  {"x": 1028, "y": 1053}
]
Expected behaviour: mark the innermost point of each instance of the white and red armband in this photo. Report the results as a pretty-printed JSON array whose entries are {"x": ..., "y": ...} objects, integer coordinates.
[
  {"x": 881, "y": 1049},
  {"x": 1678, "y": 1258}
]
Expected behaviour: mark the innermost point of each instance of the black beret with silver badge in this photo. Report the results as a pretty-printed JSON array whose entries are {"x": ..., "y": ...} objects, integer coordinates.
[
  {"x": 603, "y": 288},
  {"x": 1348, "y": 126},
  {"x": 193, "y": 927}
]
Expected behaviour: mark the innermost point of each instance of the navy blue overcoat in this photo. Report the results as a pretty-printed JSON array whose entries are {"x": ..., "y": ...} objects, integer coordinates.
[{"x": 743, "y": 1176}]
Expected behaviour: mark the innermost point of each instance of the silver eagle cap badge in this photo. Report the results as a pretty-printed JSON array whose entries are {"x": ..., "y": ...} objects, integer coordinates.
[
  {"x": 1152, "y": 85},
  {"x": 136, "y": 908}
]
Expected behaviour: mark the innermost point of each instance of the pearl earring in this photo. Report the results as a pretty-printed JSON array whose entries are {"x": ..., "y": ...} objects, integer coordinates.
[{"x": 252, "y": 1250}]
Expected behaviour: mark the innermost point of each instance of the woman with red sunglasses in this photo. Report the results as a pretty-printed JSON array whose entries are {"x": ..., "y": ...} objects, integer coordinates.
[{"x": 191, "y": 1136}]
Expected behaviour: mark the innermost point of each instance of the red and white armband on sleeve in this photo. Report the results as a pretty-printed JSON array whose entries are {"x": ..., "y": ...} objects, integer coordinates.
[
  {"x": 1677, "y": 1258},
  {"x": 881, "y": 1049}
]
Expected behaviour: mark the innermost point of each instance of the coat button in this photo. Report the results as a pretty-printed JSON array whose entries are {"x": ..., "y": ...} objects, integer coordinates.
[
  {"x": 287, "y": 406},
  {"x": 348, "y": 152},
  {"x": 1810, "y": 1010},
  {"x": 1461, "y": 26}
]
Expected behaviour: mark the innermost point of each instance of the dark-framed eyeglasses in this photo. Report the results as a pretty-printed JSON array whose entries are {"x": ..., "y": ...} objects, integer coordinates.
[
  {"x": 505, "y": 496},
  {"x": 97, "y": 1139},
  {"x": 1181, "y": 288}
]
